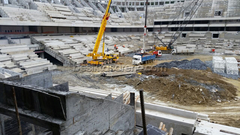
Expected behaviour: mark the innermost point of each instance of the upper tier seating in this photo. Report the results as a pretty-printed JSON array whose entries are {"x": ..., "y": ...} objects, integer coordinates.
[{"x": 58, "y": 13}]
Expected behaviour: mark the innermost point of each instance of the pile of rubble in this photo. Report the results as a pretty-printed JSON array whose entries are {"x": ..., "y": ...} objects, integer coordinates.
[{"x": 185, "y": 64}]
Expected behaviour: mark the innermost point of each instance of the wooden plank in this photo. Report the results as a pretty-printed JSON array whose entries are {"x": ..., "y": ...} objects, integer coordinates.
[
  {"x": 229, "y": 132},
  {"x": 161, "y": 125},
  {"x": 170, "y": 131}
]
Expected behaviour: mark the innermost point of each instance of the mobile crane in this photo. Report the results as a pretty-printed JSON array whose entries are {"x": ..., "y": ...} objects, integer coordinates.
[{"x": 102, "y": 58}]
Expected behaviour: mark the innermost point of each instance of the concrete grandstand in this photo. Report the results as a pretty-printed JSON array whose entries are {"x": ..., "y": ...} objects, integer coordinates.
[{"x": 45, "y": 43}]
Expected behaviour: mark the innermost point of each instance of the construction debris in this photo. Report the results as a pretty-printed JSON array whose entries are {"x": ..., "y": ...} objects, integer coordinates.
[
  {"x": 185, "y": 64},
  {"x": 186, "y": 87}
]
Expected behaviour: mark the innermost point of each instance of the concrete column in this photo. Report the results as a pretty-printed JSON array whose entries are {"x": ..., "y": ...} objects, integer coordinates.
[
  {"x": 2, "y": 131},
  {"x": 42, "y": 55}
]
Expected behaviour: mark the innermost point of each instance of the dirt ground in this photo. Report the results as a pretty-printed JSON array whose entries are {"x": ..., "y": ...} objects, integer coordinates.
[
  {"x": 194, "y": 90},
  {"x": 226, "y": 113},
  {"x": 184, "y": 87}
]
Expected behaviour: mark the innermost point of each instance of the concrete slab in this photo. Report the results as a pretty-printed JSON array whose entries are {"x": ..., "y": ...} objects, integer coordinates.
[
  {"x": 115, "y": 74},
  {"x": 182, "y": 121},
  {"x": 207, "y": 128}
]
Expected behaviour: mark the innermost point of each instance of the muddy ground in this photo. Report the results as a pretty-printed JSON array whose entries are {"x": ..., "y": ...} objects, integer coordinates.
[{"x": 195, "y": 90}]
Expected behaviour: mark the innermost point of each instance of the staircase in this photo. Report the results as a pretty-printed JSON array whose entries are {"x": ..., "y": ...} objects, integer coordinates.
[
  {"x": 111, "y": 10},
  {"x": 101, "y": 7},
  {"x": 77, "y": 4},
  {"x": 33, "y": 5},
  {"x": 56, "y": 1},
  {"x": 24, "y": 4},
  {"x": 72, "y": 8},
  {"x": 118, "y": 9},
  {"x": 92, "y": 5},
  {"x": 14, "y": 2},
  {"x": 3, "y": 13},
  {"x": 10, "y": 41},
  {"x": 127, "y": 9},
  {"x": 66, "y": 2},
  {"x": 84, "y": 3}
]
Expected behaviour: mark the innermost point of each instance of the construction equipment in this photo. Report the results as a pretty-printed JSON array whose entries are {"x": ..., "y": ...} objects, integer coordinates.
[
  {"x": 193, "y": 7},
  {"x": 164, "y": 49},
  {"x": 102, "y": 58},
  {"x": 144, "y": 57}
]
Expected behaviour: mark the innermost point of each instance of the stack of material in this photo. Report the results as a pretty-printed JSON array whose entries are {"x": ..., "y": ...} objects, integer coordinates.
[
  {"x": 231, "y": 66},
  {"x": 4, "y": 57},
  {"x": 20, "y": 57},
  {"x": 218, "y": 64},
  {"x": 14, "y": 48},
  {"x": 36, "y": 65},
  {"x": 5, "y": 73}
]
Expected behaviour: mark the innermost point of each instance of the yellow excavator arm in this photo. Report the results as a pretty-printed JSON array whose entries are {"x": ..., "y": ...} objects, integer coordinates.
[{"x": 94, "y": 54}]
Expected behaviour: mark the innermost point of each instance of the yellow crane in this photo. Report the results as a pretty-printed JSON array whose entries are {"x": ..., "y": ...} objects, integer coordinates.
[{"x": 102, "y": 58}]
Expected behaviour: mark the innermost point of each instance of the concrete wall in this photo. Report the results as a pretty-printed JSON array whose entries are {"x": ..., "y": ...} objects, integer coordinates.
[
  {"x": 3, "y": 70},
  {"x": 3, "y": 42},
  {"x": 10, "y": 29},
  {"x": 92, "y": 114},
  {"x": 231, "y": 36},
  {"x": 43, "y": 79},
  {"x": 23, "y": 41},
  {"x": 67, "y": 113},
  {"x": 181, "y": 121}
]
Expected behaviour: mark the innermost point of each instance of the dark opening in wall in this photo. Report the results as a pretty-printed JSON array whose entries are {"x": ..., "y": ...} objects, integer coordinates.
[
  {"x": 157, "y": 23},
  {"x": 201, "y": 28},
  {"x": 184, "y": 35},
  {"x": 76, "y": 29},
  {"x": 113, "y": 29},
  {"x": 174, "y": 29},
  {"x": 187, "y": 14},
  {"x": 33, "y": 29},
  {"x": 161, "y": 3},
  {"x": 233, "y": 29},
  {"x": 51, "y": 59},
  {"x": 187, "y": 29},
  {"x": 218, "y": 13},
  {"x": 216, "y": 28},
  {"x": 215, "y": 36},
  {"x": 150, "y": 29}
]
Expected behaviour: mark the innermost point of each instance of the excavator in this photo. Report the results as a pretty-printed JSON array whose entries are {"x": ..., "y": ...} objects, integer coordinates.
[
  {"x": 163, "y": 49},
  {"x": 102, "y": 58},
  {"x": 167, "y": 47}
]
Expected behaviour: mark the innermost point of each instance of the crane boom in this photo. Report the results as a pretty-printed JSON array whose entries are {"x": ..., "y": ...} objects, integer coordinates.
[
  {"x": 101, "y": 31},
  {"x": 102, "y": 58}
]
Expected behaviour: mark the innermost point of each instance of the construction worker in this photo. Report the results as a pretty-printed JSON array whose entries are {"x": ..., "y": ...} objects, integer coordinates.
[{"x": 115, "y": 47}]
